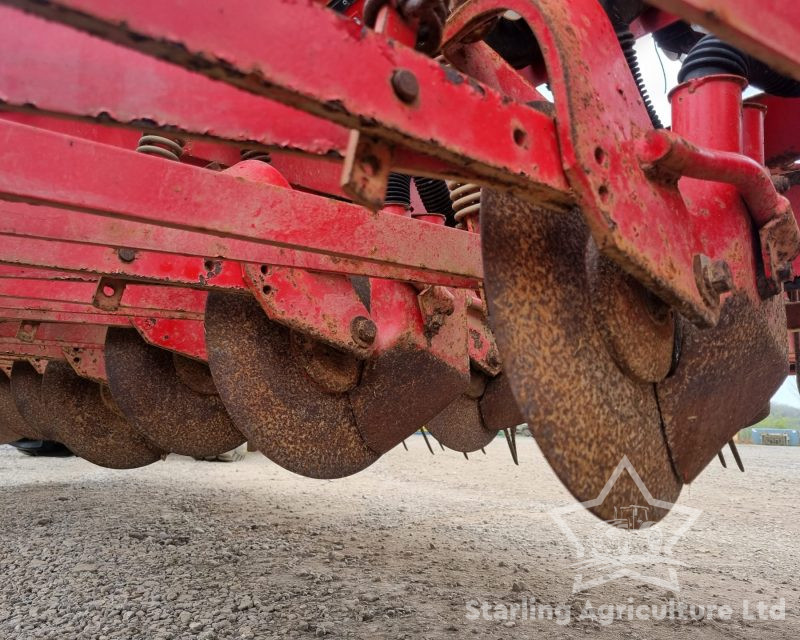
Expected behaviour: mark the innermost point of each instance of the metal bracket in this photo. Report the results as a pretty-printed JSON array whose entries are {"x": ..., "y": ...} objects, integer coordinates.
[{"x": 108, "y": 294}]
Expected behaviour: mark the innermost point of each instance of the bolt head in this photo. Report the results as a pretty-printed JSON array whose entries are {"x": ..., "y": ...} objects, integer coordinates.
[
  {"x": 719, "y": 276},
  {"x": 126, "y": 255},
  {"x": 363, "y": 330},
  {"x": 713, "y": 278},
  {"x": 405, "y": 85}
]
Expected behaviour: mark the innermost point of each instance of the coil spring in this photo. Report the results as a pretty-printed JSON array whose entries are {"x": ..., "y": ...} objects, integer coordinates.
[
  {"x": 255, "y": 154},
  {"x": 153, "y": 145},
  {"x": 466, "y": 199}
]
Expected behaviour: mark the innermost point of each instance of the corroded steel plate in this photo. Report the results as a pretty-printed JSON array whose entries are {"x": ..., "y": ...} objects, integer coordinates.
[
  {"x": 586, "y": 415},
  {"x": 269, "y": 394},
  {"x": 175, "y": 407},
  {"x": 85, "y": 423},
  {"x": 26, "y": 389},
  {"x": 12, "y": 425}
]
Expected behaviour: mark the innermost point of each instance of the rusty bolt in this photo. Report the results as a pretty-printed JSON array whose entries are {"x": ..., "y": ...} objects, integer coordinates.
[
  {"x": 713, "y": 277},
  {"x": 493, "y": 357},
  {"x": 126, "y": 255},
  {"x": 363, "y": 330},
  {"x": 405, "y": 85},
  {"x": 719, "y": 276}
]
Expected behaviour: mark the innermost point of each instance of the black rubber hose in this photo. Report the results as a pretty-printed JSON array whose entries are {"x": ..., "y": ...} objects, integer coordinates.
[
  {"x": 711, "y": 56},
  {"x": 398, "y": 190},
  {"x": 627, "y": 42},
  {"x": 436, "y": 197}
]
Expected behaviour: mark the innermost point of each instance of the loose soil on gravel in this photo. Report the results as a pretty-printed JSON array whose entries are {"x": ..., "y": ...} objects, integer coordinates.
[{"x": 411, "y": 548}]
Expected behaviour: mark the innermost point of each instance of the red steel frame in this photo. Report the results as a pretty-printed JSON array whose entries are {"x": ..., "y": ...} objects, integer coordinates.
[
  {"x": 496, "y": 152},
  {"x": 84, "y": 213}
]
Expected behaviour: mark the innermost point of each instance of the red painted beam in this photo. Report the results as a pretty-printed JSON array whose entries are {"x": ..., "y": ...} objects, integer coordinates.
[
  {"x": 257, "y": 50},
  {"x": 55, "y": 69},
  {"x": 84, "y": 176}
]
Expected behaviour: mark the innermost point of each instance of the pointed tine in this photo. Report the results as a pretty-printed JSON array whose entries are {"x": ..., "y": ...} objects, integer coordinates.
[
  {"x": 465, "y": 455},
  {"x": 483, "y": 451},
  {"x": 513, "y": 431},
  {"x": 405, "y": 446},
  {"x": 511, "y": 447},
  {"x": 736, "y": 457},
  {"x": 425, "y": 435},
  {"x": 722, "y": 459}
]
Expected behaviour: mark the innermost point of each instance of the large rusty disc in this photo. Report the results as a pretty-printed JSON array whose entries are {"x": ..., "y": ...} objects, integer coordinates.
[
  {"x": 12, "y": 425},
  {"x": 170, "y": 400},
  {"x": 588, "y": 417},
  {"x": 88, "y": 426},
  {"x": 26, "y": 389},
  {"x": 264, "y": 377}
]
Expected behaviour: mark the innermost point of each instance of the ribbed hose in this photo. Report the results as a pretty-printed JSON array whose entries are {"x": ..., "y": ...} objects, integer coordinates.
[
  {"x": 436, "y": 197},
  {"x": 711, "y": 56},
  {"x": 627, "y": 42},
  {"x": 398, "y": 190}
]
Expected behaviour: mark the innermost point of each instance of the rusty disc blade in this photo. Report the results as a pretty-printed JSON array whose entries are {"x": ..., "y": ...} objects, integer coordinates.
[
  {"x": 12, "y": 425},
  {"x": 271, "y": 397},
  {"x": 724, "y": 379},
  {"x": 175, "y": 408},
  {"x": 588, "y": 418},
  {"x": 26, "y": 389},
  {"x": 85, "y": 423}
]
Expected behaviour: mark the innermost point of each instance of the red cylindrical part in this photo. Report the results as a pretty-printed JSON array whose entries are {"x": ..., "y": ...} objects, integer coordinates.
[
  {"x": 753, "y": 130},
  {"x": 433, "y": 218},
  {"x": 708, "y": 111}
]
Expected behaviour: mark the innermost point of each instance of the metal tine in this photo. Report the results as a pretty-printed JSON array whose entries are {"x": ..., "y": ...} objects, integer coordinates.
[
  {"x": 425, "y": 435},
  {"x": 483, "y": 451},
  {"x": 511, "y": 447},
  {"x": 405, "y": 446},
  {"x": 465, "y": 455},
  {"x": 513, "y": 431},
  {"x": 735, "y": 453},
  {"x": 722, "y": 459}
]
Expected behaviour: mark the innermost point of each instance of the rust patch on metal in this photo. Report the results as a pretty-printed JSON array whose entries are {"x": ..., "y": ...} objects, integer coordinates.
[
  {"x": 586, "y": 414},
  {"x": 26, "y": 389},
  {"x": 194, "y": 374},
  {"x": 725, "y": 376},
  {"x": 87, "y": 426},
  {"x": 108, "y": 294},
  {"x": 151, "y": 393},
  {"x": 333, "y": 370},
  {"x": 498, "y": 405},
  {"x": 13, "y": 425},
  {"x": 395, "y": 396},
  {"x": 638, "y": 329},
  {"x": 283, "y": 412}
]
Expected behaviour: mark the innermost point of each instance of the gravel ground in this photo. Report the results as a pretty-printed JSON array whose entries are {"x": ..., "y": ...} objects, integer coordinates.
[{"x": 186, "y": 549}]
